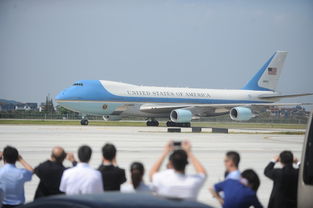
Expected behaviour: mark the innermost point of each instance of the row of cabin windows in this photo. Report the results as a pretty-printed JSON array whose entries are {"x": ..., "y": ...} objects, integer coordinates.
[{"x": 78, "y": 84}]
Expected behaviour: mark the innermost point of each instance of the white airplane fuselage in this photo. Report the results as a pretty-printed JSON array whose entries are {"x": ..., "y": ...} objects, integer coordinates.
[
  {"x": 115, "y": 100},
  {"x": 100, "y": 97}
]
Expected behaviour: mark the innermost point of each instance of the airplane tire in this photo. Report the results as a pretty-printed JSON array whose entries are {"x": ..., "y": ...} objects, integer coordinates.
[
  {"x": 152, "y": 123},
  {"x": 170, "y": 124},
  {"x": 185, "y": 125},
  {"x": 84, "y": 122}
]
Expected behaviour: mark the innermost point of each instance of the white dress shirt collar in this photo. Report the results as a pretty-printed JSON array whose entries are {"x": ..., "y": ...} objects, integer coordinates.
[{"x": 83, "y": 165}]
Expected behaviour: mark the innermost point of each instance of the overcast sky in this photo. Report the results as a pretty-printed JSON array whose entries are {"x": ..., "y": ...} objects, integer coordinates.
[{"x": 47, "y": 45}]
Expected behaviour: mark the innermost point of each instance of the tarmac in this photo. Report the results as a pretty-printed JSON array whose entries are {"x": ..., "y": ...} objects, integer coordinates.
[{"x": 145, "y": 144}]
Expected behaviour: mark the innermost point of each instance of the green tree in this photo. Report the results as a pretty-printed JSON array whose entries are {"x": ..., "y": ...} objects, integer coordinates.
[
  {"x": 48, "y": 106},
  {"x": 63, "y": 111}
]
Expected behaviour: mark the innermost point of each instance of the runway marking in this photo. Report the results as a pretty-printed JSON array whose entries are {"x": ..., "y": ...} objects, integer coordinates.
[
  {"x": 230, "y": 132},
  {"x": 279, "y": 140}
]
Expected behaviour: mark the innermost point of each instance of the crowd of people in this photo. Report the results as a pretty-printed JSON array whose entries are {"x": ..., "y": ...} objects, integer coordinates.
[{"x": 238, "y": 189}]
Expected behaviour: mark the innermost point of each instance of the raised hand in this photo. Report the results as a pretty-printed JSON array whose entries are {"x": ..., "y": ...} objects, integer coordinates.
[
  {"x": 70, "y": 157},
  {"x": 186, "y": 145}
]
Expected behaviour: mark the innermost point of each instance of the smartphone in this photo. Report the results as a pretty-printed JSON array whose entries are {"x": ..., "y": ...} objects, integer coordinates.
[{"x": 177, "y": 144}]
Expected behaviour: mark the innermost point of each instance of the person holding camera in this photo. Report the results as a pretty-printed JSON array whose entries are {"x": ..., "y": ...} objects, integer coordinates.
[
  {"x": 175, "y": 182},
  {"x": 12, "y": 179},
  {"x": 50, "y": 172},
  {"x": 285, "y": 187}
]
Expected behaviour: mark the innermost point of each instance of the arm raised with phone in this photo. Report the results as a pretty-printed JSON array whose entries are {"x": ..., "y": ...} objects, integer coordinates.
[
  {"x": 169, "y": 148},
  {"x": 174, "y": 182}
]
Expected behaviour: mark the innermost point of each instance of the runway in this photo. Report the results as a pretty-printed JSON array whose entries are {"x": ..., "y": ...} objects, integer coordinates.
[{"x": 146, "y": 143}]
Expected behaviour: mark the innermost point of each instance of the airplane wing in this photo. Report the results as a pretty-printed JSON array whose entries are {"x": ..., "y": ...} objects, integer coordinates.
[
  {"x": 161, "y": 108},
  {"x": 208, "y": 109},
  {"x": 283, "y": 96}
]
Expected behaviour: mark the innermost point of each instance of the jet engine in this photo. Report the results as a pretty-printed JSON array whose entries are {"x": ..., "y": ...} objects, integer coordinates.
[
  {"x": 181, "y": 116},
  {"x": 241, "y": 114}
]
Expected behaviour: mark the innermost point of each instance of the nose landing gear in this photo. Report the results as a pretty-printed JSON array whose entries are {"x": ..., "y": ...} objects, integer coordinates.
[{"x": 84, "y": 122}]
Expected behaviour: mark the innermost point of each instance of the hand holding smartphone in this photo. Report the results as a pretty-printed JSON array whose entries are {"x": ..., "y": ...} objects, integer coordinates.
[{"x": 177, "y": 143}]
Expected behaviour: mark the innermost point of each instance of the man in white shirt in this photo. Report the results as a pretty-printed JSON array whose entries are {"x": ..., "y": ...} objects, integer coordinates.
[
  {"x": 82, "y": 179},
  {"x": 174, "y": 182},
  {"x": 231, "y": 162}
]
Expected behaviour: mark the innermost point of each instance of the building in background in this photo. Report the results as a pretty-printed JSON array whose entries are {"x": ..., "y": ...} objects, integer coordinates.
[{"x": 11, "y": 105}]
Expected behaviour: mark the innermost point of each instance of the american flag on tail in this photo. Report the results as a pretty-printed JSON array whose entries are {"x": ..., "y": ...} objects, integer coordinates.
[{"x": 272, "y": 71}]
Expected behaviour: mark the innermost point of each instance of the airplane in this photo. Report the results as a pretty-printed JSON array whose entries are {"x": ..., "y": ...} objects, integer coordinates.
[{"x": 117, "y": 100}]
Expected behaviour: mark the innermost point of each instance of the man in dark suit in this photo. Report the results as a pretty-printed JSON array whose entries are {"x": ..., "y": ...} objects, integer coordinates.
[
  {"x": 112, "y": 176},
  {"x": 50, "y": 172},
  {"x": 285, "y": 187}
]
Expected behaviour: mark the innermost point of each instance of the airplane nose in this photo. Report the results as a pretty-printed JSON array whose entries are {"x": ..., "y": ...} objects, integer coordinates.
[{"x": 60, "y": 96}]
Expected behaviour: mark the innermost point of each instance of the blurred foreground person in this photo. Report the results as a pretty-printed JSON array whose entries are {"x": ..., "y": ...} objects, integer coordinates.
[
  {"x": 285, "y": 187},
  {"x": 113, "y": 177},
  {"x": 82, "y": 179},
  {"x": 1, "y": 195},
  {"x": 174, "y": 182},
  {"x": 231, "y": 162},
  {"x": 50, "y": 172},
  {"x": 12, "y": 179},
  {"x": 239, "y": 194},
  {"x": 137, "y": 172},
  {"x": 1, "y": 190}
]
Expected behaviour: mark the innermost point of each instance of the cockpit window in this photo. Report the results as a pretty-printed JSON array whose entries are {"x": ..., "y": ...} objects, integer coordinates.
[{"x": 78, "y": 84}]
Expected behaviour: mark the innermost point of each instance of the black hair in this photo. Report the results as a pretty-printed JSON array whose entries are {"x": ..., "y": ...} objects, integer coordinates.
[
  {"x": 252, "y": 177},
  {"x": 179, "y": 159},
  {"x": 234, "y": 156},
  {"x": 109, "y": 151},
  {"x": 10, "y": 154},
  {"x": 137, "y": 171},
  {"x": 286, "y": 157},
  {"x": 84, "y": 153}
]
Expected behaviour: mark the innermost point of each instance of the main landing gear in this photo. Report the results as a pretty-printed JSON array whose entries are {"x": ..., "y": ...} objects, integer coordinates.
[
  {"x": 153, "y": 123},
  {"x": 173, "y": 124},
  {"x": 84, "y": 122}
]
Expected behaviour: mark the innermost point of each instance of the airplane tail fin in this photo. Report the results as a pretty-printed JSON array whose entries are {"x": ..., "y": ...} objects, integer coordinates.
[{"x": 267, "y": 77}]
